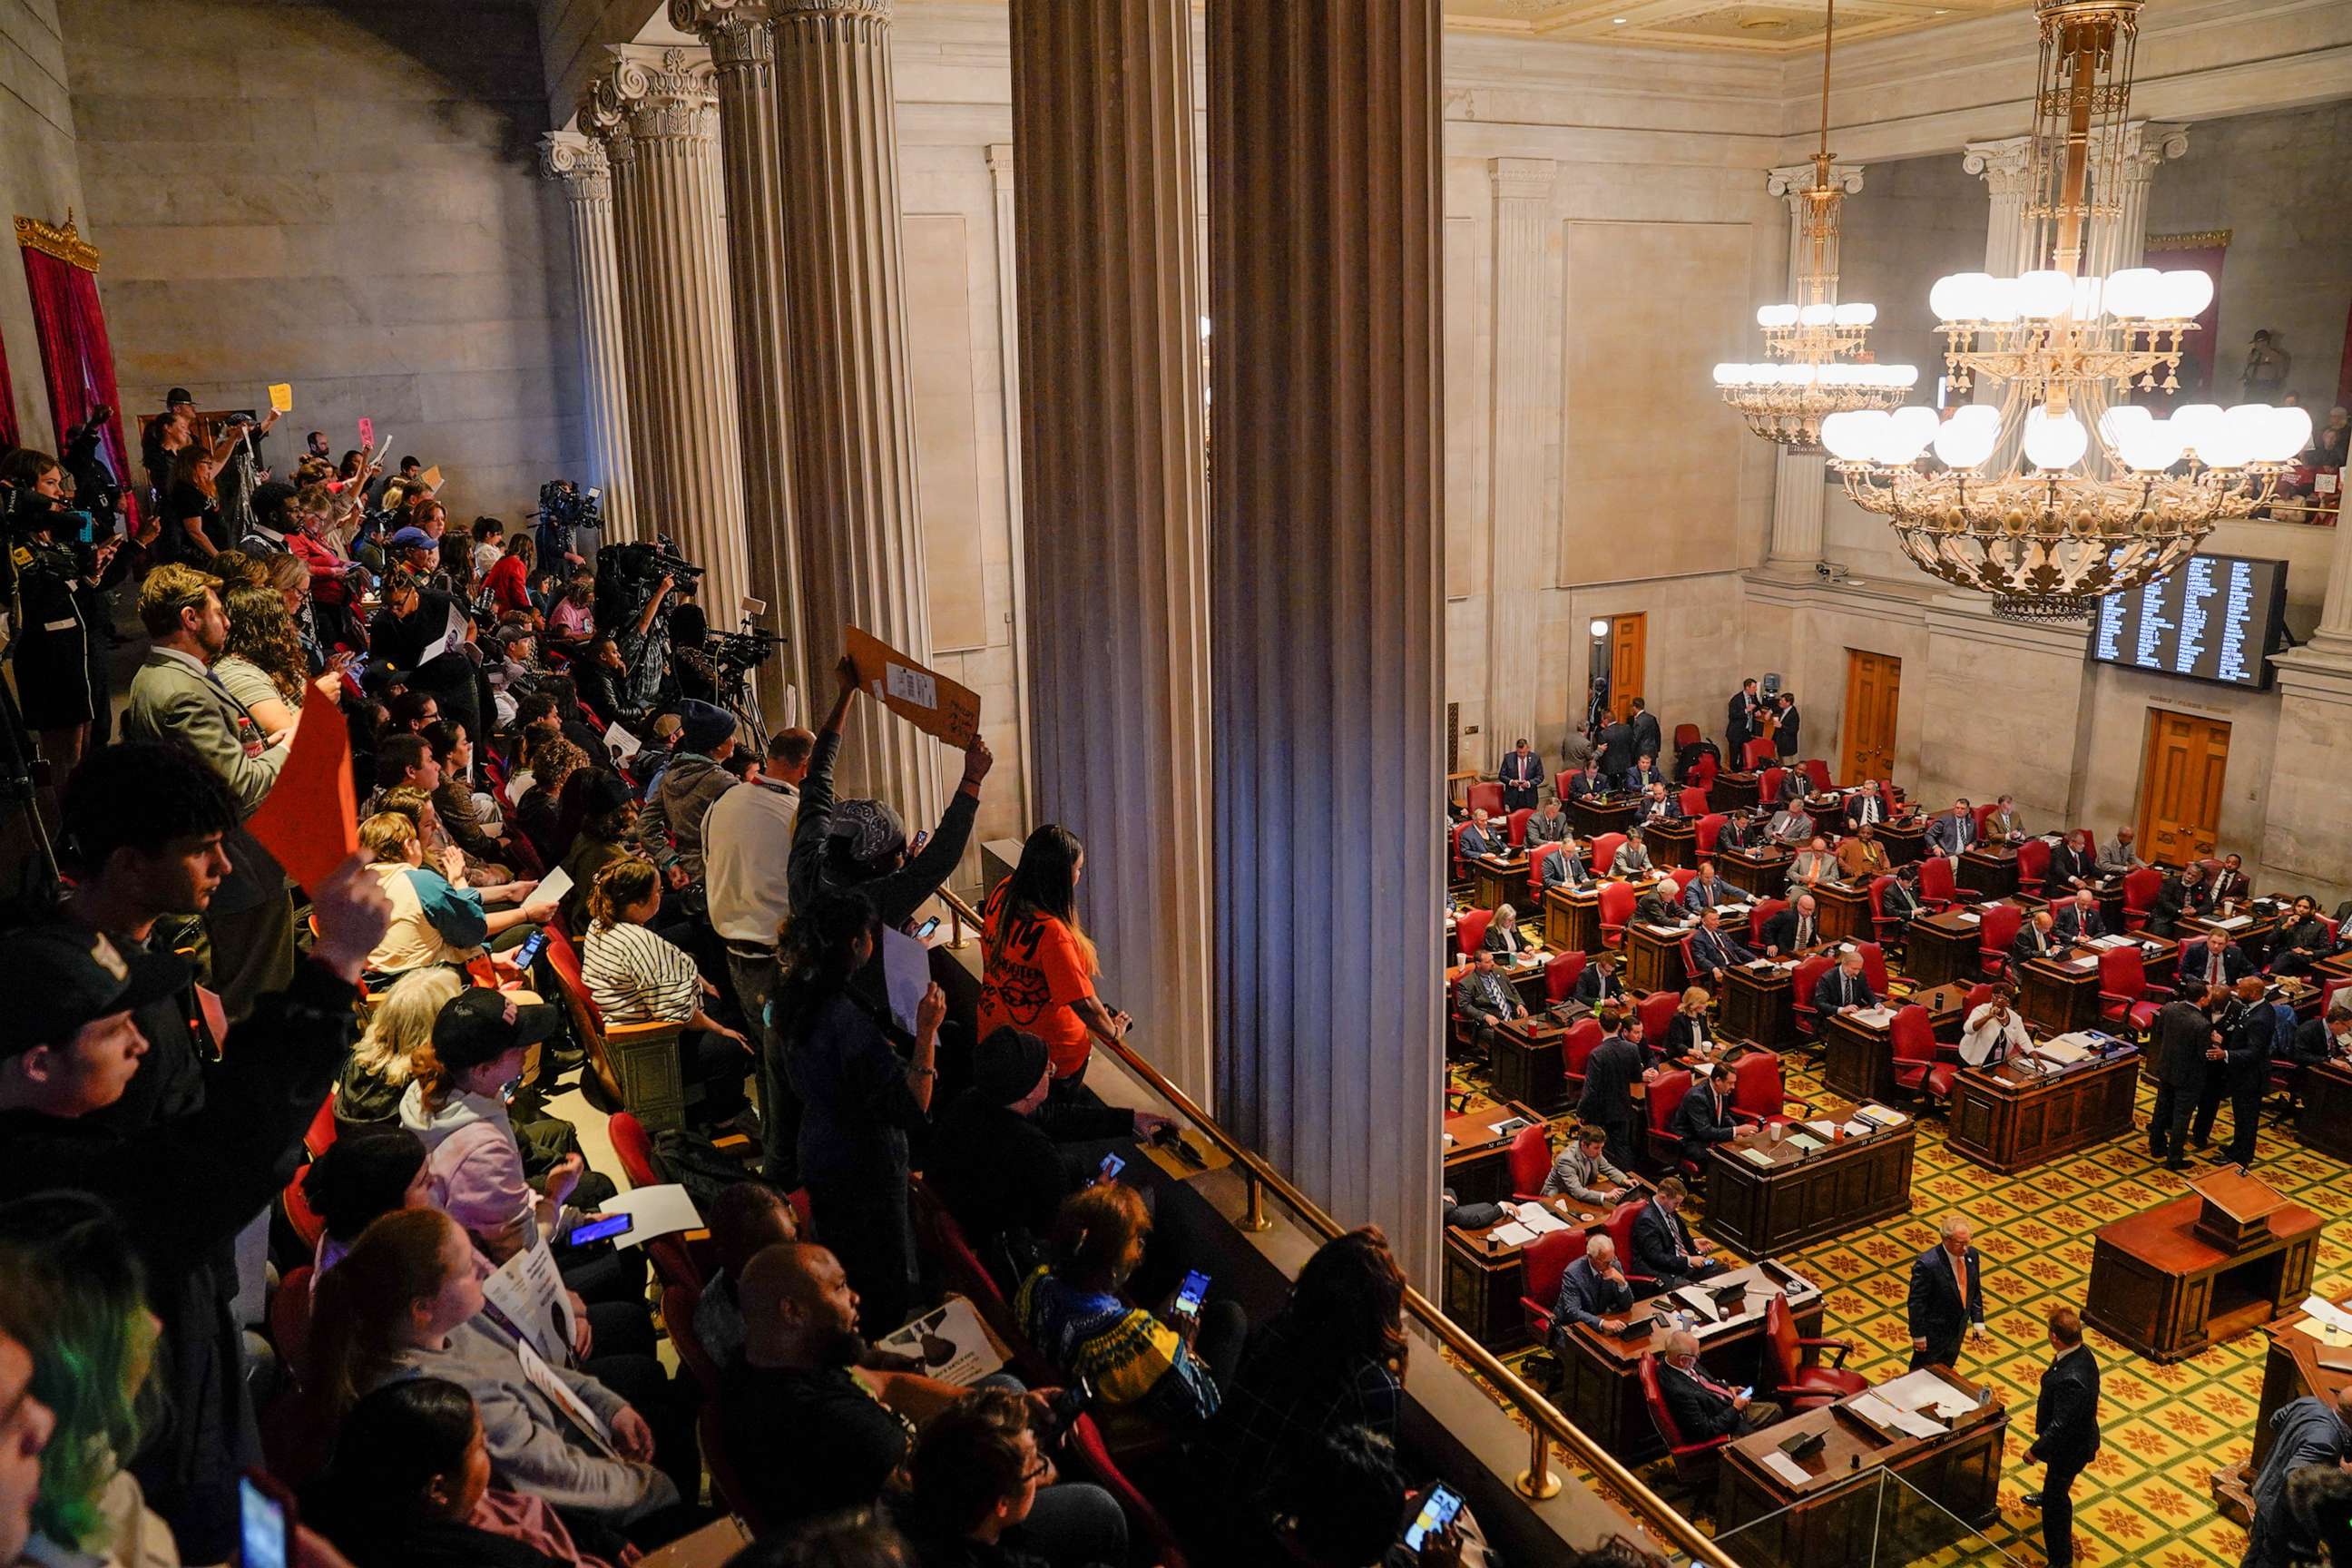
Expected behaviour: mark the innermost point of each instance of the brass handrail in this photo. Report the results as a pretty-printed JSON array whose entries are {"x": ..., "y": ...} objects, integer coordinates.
[{"x": 1546, "y": 1425}]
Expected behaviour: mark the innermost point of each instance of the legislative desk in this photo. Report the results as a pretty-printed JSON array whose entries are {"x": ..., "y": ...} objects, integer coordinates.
[
  {"x": 2296, "y": 1366},
  {"x": 1497, "y": 880},
  {"x": 1601, "y": 1390},
  {"x": 1858, "y": 1047},
  {"x": 2164, "y": 1283},
  {"x": 2339, "y": 967},
  {"x": 2252, "y": 933},
  {"x": 1653, "y": 958},
  {"x": 1572, "y": 918},
  {"x": 2326, "y": 1123},
  {"x": 2011, "y": 1117},
  {"x": 1672, "y": 841},
  {"x": 1988, "y": 871},
  {"x": 1734, "y": 791},
  {"x": 1940, "y": 948},
  {"x": 2060, "y": 994},
  {"x": 1477, "y": 1158},
  {"x": 1763, "y": 872},
  {"x": 1835, "y": 1514},
  {"x": 1529, "y": 1065},
  {"x": 1906, "y": 838},
  {"x": 1844, "y": 910},
  {"x": 1487, "y": 1271},
  {"x": 1816, "y": 1181},
  {"x": 1596, "y": 814},
  {"x": 1757, "y": 1006}
]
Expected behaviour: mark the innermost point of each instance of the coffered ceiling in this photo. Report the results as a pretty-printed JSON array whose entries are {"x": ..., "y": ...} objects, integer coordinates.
[{"x": 1758, "y": 26}]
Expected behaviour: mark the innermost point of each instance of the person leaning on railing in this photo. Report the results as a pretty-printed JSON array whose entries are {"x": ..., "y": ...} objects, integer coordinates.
[{"x": 1041, "y": 968}]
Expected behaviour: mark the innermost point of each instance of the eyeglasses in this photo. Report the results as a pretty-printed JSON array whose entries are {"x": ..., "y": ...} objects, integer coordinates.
[{"x": 1038, "y": 1470}]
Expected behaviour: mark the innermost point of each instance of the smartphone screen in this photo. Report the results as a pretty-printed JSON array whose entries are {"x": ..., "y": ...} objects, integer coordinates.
[
  {"x": 262, "y": 1521},
  {"x": 1191, "y": 1293},
  {"x": 1437, "y": 1511},
  {"x": 923, "y": 932},
  {"x": 528, "y": 954},
  {"x": 597, "y": 1230},
  {"x": 1110, "y": 1167}
]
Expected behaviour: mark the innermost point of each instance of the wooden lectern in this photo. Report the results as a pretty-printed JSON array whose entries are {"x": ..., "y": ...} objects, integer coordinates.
[
  {"x": 2237, "y": 1209},
  {"x": 2170, "y": 1281}
]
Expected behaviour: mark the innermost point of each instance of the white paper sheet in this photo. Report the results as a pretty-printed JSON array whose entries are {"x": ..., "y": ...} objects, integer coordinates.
[
  {"x": 656, "y": 1212},
  {"x": 949, "y": 1342},
  {"x": 619, "y": 742},
  {"x": 552, "y": 887},
  {"x": 1512, "y": 1234},
  {"x": 906, "y": 974},
  {"x": 528, "y": 1289},
  {"x": 1787, "y": 1468},
  {"x": 1923, "y": 1390},
  {"x": 2326, "y": 1311}
]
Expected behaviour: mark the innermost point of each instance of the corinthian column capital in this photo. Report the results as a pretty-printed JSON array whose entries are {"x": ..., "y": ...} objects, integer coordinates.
[
  {"x": 739, "y": 32},
  {"x": 579, "y": 163},
  {"x": 2006, "y": 166},
  {"x": 653, "y": 95},
  {"x": 832, "y": 10}
]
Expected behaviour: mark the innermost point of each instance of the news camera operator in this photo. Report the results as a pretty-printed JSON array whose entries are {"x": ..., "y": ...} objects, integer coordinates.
[
  {"x": 59, "y": 559},
  {"x": 633, "y": 588},
  {"x": 563, "y": 511}
]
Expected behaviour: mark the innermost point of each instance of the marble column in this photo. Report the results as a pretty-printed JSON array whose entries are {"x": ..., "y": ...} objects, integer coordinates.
[
  {"x": 2121, "y": 240},
  {"x": 2005, "y": 167},
  {"x": 741, "y": 35},
  {"x": 1523, "y": 565},
  {"x": 587, "y": 177},
  {"x": 1114, "y": 495},
  {"x": 1324, "y": 225},
  {"x": 1799, "y": 480},
  {"x": 2303, "y": 825},
  {"x": 1008, "y": 336},
  {"x": 852, "y": 415},
  {"x": 658, "y": 115}
]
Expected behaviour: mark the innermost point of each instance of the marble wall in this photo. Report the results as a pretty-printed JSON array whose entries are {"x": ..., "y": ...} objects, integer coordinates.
[{"x": 39, "y": 177}]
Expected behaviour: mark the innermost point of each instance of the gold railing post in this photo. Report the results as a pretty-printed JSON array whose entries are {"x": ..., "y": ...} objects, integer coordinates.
[
  {"x": 1254, "y": 1220},
  {"x": 1536, "y": 1480}
]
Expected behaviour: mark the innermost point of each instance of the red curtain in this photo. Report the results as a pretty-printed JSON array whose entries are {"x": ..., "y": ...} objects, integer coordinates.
[
  {"x": 2200, "y": 351},
  {"x": 76, "y": 359},
  {"x": 7, "y": 403}
]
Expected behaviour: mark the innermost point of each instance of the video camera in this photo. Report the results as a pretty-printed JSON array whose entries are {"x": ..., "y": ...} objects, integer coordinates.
[
  {"x": 562, "y": 504},
  {"x": 25, "y": 513}
]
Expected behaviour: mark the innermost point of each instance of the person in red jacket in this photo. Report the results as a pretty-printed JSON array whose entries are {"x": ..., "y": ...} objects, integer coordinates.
[{"x": 508, "y": 583}]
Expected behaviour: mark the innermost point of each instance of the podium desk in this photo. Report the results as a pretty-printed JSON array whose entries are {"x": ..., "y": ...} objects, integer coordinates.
[
  {"x": 2061, "y": 993},
  {"x": 2012, "y": 1118},
  {"x": 1799, "y": 1197},
  {"x": 1484, "y": 1278},
  {"x": 1573, "y": 919},
  {"x": 2164, "y": 1287},
  {"x": 1941, "y": 948},
  {"x": 1529, "y": 1065},
  {"x": 2326, "y": 1123},
  {"x": 1905, "y": 839},
  {"x": 1602, "y": 1387},
  {"x": 1496, "y": 881},
  {"x": 1653, "y": 958},
  {"x": 1596, "y": 814},
  {"x": 1844, "y": 910},
  {"x": 1988, "y": 871},
  {"x": 1477, "y": 1158},
  {"x": 1735, "y": 792},
  {"x": 1761, "y": 872},
  {"x": 1836, "y": 1515},
  {"x": 1672, "y": 841},
  {"x": 1757, "y": 1007}
]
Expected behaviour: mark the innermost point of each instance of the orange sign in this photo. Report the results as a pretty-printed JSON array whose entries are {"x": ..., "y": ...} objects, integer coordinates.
[{"x": 924, "y": 697}]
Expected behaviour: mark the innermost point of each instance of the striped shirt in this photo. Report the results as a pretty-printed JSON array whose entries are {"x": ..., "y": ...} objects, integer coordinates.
[{"x": 637, "y": 977}]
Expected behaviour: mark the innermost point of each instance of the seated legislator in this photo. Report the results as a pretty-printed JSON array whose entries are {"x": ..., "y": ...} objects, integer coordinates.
[
  {"x": 2302, "y": 939},
  {"x": 1481, "y": 837},
  {"x": 1657, "y": 806},
  {"x": 1657, "y": 905},
  {"x": 2118, "y": 856},
  {"x": 1861, "y": 856},
  {"x": 1581, "y": 1170},
  {"x": 1900, "y": 899},
  {"x": 1815, "y": 863},
  {"x": 1706, "y": 890},
  {"x": 1601, "y": 982},
  {"x": 1549, "y": 826},
  {"x": 1791, "y": 825},
  {"x": 2185, "y": 892},
  {"x": 1522, "y": 777},
  {"x": 1995, "y": 1031},
  {"x": 2036, "y": 939},
  {"x": 1954, "y": 834},
  {"x": 1591, "y": 781},
  {"x": 2003, "y": 824},
  {"x": 2216, "y": 960},
  {"x": 1844, "y": 989},
  {"x": 1633, "y": 856},
  {"x": 1714, "y": 950},
  {"x": 1565, "y": 867},
  {"x": 1741, "y": 829},
  {"x": 2081, "y": 920},
  {"x": 2230, "y": 885},
  {"x": 1485, "y": 998},
  {"x": 1688, "y": 1039},
  {"x": 1643, "y": 773},
  {"x": 1503, "y": 938},
  {"x": 1704, "y": 1118},
  {"x": 1702, "y": 1407},
  {"x": 1794, "y": 929},
  {"x": 2071, "y": 865},
  {"x": 1592, "y": 1291},
  {"x": 1664, "y": 1246},
  {"x": 2324, "y": 1039},
  {"x": 1865, "y": 807}
]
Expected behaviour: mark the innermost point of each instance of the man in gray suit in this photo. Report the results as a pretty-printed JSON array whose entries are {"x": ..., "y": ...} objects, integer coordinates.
[{"x": 176, "y": 696}]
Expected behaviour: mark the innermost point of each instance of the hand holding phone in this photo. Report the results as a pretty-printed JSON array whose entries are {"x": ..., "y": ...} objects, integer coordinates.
[
  {"x": 1190, "y": 1294},
  {"x": 1109, "y": 1169},
  {"x": 266, "y": 1523},
  {"x": 1435, "y": 1516},
  {"x": 599, "y": 1228}
]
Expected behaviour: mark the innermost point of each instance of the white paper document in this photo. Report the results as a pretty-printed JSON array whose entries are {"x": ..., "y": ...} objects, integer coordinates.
[
  {"x": 1923, "y": 1390},
  {"x": 2321, "y": 1309},
  {"x": 1511, "y": 1234},
  {"x": 1787, "y": 1468},
  {"x": 552, "y": 887},
  {"x": 654, "y": 1212},
  {"x": 619, "y": 742},
  {"x": 1886, "y": 1417},
  {"x": 1539, "y": 1219},
  {"x": 908, "y": 685},
  {"x": 950, "y": 1342},
  {"x": 528, "y": 1289},
  {"x": 1875, "y": 1018}
]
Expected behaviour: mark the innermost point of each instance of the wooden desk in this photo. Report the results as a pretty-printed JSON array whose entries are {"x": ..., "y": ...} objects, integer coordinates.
[
  {"x": 1757, "y": 1007},
  {"x": 1460, "y": 781},
  {"x": 1905, "y": 839},
  {"x": 1761, "y": 872},
  {"x": 1673, "y": 842},
  {"x": 1653, "y": 960},
  {"x": 2012, "y": 1119},
  {"x": 1802, "y": 1198},
  {"x": 1497, "y": 880},
  {"x": 2060, "y": 994},
  {"x": 1478, "y": 1160},
  {"x": 2291, "y": 1371},
  {"x": 1836, "y": 1516},
  {"x": 1529, "y": 1068},
  {"x": 1605, "y": 814},
  {"x": 1990, "y": 871},
  {"x": 2253, "y": 939},
  {"x": 2167, "y": 1293},
  {"x": 2326, "y": 1123},
  {"x": 1573, "y": 919},
  {"x": 1485, "y": 1279},
  {"x": 1603, "y": 1388},
  {"x": 1844, "y": 910},
  {"x": 1731, "y": 792},
  {"x": 1942, "y": 948},
  {"x": 1858, "y": 1059}
]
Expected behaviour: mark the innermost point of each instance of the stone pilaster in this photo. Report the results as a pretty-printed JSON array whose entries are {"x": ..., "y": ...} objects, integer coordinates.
[
  {"x": 2120, "y": 240},
  {"x": 1800, "y": 479},
  {"x": 741, "y": 38},
  {"x": 658, "y": 116},
  {"x": 2303, "y": 825},
  {"x": 587, "y": 177},
  {"x": 1522, "y": 564},
  {"x": 1008, "y": 337},
  {"x": 2007, "y": 169},
  {"x": 1114, "y": 493},
  {"x": 853, "y": 422},
  {"x": 1324, "y": 225}
]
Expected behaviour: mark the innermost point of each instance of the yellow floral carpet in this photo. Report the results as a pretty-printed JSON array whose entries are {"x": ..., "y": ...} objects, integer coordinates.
[{"x": 2144, "y": 1500}]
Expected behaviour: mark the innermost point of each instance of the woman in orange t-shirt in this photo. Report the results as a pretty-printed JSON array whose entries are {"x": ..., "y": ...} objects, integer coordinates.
[{"x": 1041, "y": 968}]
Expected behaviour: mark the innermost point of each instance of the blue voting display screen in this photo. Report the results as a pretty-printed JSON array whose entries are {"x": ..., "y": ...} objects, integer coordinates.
[{"x": 2214, "y": 619}]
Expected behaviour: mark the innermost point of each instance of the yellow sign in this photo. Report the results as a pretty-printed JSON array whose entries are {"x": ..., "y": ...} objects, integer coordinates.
[
  {"x": 432, "y": 477},
  {"x": 281, "y": 396}
]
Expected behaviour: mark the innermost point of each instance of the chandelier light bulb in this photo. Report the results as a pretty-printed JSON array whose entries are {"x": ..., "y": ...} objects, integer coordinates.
[
  {"x": 1776, "y": 315},
  {"x": 2185, "y": 294},
  {"x": 1905, "y": 436},
  {"x": 2289, "y": 433},
  {"x": 2230, "y": 441},
  {"x": 1996, "y": 301},
  {"x": 1816, "y": 315},
  {"x": 2043, "y": 293},
  {"x": 1852, "y": 436},
  {"x": 1855, "y": 315},
  {"x": 1969, "y": 437},
  {"x": 2055, "y": 442},
  {"x": 2135, "y": 293},
  {"x": 2195, "y": 421},
  {"x": 1728, "y": 375},
  {"x": 2123, "y": 424},
  {"x": 1955, "y": 297},
  {"x": 2149, "y": 446}
]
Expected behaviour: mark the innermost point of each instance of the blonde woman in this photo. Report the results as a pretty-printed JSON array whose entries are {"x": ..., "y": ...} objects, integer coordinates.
[
  {"x": 385, "y": 1060},
  {"x": 1688, "y": 1036}
]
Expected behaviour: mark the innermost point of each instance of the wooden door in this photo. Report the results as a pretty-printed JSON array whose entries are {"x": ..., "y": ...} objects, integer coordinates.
[
  {"x": 1873, "y": 689},
  {"x": 2180, "y": 785},
  {"x": 1626, "y": 635}
]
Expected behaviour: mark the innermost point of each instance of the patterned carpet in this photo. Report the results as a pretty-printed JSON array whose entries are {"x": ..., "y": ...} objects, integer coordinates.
[{"x": 2167, "y": 1428}]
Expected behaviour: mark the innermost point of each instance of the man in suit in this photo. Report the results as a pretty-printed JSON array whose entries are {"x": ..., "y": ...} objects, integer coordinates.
[
  {"x": 1591, "y": 781},
  {"x": 1599, "y": 983},
  {"x": 2230, "y": 885},
  {"x": 1632, "y": 857},
  {"x": 1861, "y": 856},
  {"x": 1953, "y": 834},
  {"x": 1707, "y": 890},
  {"x": 2184, "y": 1032},
  {"x": 1609, "y": 1074},
  {"x": 2310, "y": 1431},
  {"x": 2003, "y": 823},
  {"x": 1815, "y": 863},
  {"x": 1592, "y": 1291},
  {"x": 1645, "y": 773},
  {"x": 2185, "y": 892},
  {"x": 1581, "y": 1171},
  {"x": 1664, "y": 1246},
  {"x": 1741, "y": 829},
  {"x": 1739, "y": 726},
  {"x": 1549, "y": 826},
  {"x": 1901, "y": 899},
  {"x": 1714, "y": 950},
  {"x": 2216, "y": 960},
  {"x": 1648, "y": 744},
  {"x": 1703, "y": 1117},
  {"x": 2065, "y": 1432},
  {"x": 1522, "y": 776},
  {"x": 2239, "y": 1067},
  {"x": 2081, "y": 920},
  {"x": 2117, "y": 857},
  {"x": 1658, "y": 803},
  {"x": 2036, "y": 939},
  {"x": 175, "y": 696},
  {"x": 1865, "y": 806},
  {"x": 2302, "y": 939},
  {"x": 1481, "y": 837},
  {"x": 1486, "y": 998},
  {"x": 1657, "y": 905},
  {"x": 2326, "y": 1039},
  {"x": 1577, "y": 750},
  {"x": 2071, "y": 865},
  {"x": 1844, "y": 989},
  {"x": 1617, "y": 749},
  {"x": 1784, "y": 733},
  {"x": 1792, "y": 824},
  {"x": 1565, "y": 867},
  {"x": 1700, "y": 1406},
  {"x": 1946, "y": 1298},
  {"x": 1794, "y": 929}
]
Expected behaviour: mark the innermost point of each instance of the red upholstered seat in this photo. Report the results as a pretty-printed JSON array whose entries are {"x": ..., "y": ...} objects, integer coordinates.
[
  {"x": 1761, "y": 910},
  {"x": 1666, "y": 1097},
  {"x": 1756, "y": 753},
  {"x": 1546, "y": 1259},
  {"x": 1768, "y": 787},
  {"x": 2140, "y": 888},
  {"x": 1937, "y": 890},
  {"x": 1470, "y": 930},
  {"x": 1884, "y": 924},
  {"x": 1517, "y": 823},
  {"x": 1620, "y": 1225},
  {"x": 1604, "y": 850},
  {"x": 1561, "y": 972},
  {"x": 1760, "y": 1092},
  {"x": 1656, "y": 1010},
  {"x": 1817, "y": 773},
  {"x": 1576, "y": 1050},
  {"x": 2032, "y": 865},
  {"x": 1799, "y": 1379},
  {"x": 1917, "y": 1067},
  {"x": 2126, "y": 1000},
  {"x": 1616, "y": 909},
  {"x": 1541, "y": 853},
  {"x": 1694, "y": 801},
  {"x": 2002, "y": 923},
  {"x": 1710, "y": 828},
  {"x": 1800, "y": 993}
]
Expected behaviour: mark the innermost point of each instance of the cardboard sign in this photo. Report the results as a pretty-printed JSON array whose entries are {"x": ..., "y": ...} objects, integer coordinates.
[
  {"x": 367, "y": 431},
  {"x": 924, "y": 697},
  {"x": 432, "y": 476},
  {"x": 281, "y": 396},
  {"x": 308, "y": 822}
]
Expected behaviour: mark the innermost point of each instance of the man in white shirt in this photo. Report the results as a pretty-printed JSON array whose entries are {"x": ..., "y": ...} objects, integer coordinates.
[
  {"x": 747, "y": 845},
  {"x": 1996, "y": 1031}
]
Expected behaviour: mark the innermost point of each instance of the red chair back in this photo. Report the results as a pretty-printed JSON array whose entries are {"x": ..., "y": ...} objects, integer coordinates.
[
  {"x": 1817, "y": 773},
  {"x": 1653, "y": 1397},
  {"x": 1873, "y": 966},
  {"x": 319, "y": 1136},
  {"x": 1685, "y": 735},
  {"x": 1470, "y": 930},
  {"x": 1488, "y": 794},
  {"x": 1559, "y": 783},
  {"x": 307, "y": 1222},
  {"x": 2034, "y": 860},
  {"x": 1530, "y": 1158},
  {"x": 1576, "y": 1050},
  {"x": 2140, "y": 888},
  {"x": 1767, "y": 788},
  {"x": 1454, "y": 838},
  {"x": 1546, "y": 1260},
  {"x": 1604, "y": 850},
  {"x": 2002, "y": 923},
  {"x": 1978, "y": 994},
  {"x": 1981, "y": 812},
  {"x": 1756, "y": 753},
  {"x": 2122, "y": 974},
  {"x": 1561, "y": 972},
  {"x": 1665, "y": 1097},
  {"x": 1710, "y": 828},
  {"x": 1803, "y": 983},
  {"x": 1543, "y": 852},
  {"x": 938, "y": 1235},
  {"x": 1758, "y": 1088},
  {"x": 1694, "y": 801},
  {"x": 1878, "y": 886},
  {"x": 1616, "y": 904},
  {"x": 1936, "y": 885},
  {"x": 1518, "y": 824},
  {"x": 1781, "y": 1341},
  {"x": 1703, "y": 772},
  {"x": 1914, "y": 1036},
  {"x": 672, "y": 1259},
  {"x": 1657, "y": 1010},
  {"x": 1620, "y": 1225},
  {"x": 1764, "y": 909},
  {"x": 1684, "y": 876}
]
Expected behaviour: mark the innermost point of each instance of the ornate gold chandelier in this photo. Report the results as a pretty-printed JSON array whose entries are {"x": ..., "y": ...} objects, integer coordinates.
[
  {"x": 2089, "y": 495},
  {"x": 1820, "y": 363}
]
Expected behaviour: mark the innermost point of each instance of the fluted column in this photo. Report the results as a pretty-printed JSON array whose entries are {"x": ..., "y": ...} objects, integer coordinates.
[
  {"x": 2121, "y": 240},
  {"x": 741, "y": 35},
  {"x": 859, "y": 516},
  {"x": 659, "y": 115},
  {"x": 1522, "y": 564},
  {"x": 1797, "y": 477},
  {"x": 587, "y": 177},
  {"x": 2007, "y": 168},
  {"x": 1008, "y": 390},
  {"x": 1324, "y": 226}
]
